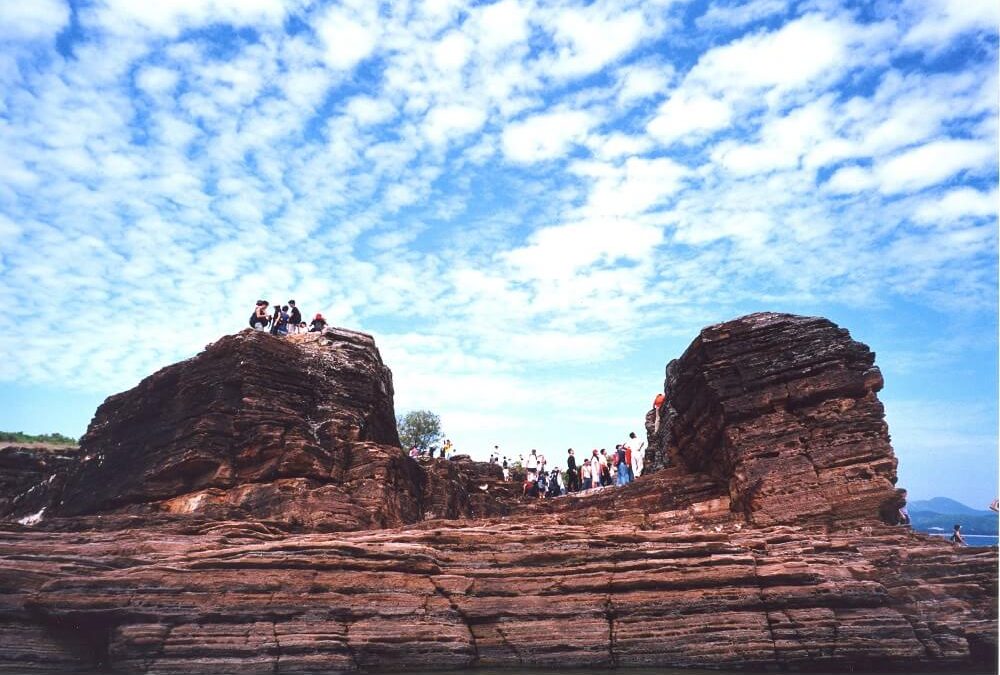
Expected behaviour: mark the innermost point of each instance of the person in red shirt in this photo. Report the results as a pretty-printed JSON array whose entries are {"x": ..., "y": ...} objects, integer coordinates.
[{"x": 657, "y": 402}]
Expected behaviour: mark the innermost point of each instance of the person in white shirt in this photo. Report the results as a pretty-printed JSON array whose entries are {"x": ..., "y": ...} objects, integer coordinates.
[
  {"x": 531, "y": 465},
  {"x": 638, "y": 453}
]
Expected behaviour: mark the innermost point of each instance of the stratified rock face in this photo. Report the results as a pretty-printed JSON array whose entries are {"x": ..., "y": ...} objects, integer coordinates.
[
  {"x": 527, "y": 591},
  {"x": 298, "y": 431},
  {"x": 784, "y": 410}
]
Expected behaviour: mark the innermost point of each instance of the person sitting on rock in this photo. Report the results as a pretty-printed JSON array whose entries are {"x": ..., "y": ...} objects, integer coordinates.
[
  {"x": 956, "y": 536},
  {"x": 530, "y": 489},
  {"x": 318, "y": 324},
  {"x": 553, "y": 490}
]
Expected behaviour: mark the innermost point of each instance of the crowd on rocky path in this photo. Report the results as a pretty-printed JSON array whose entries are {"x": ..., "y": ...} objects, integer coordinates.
[{"x": 600, "y": 470}]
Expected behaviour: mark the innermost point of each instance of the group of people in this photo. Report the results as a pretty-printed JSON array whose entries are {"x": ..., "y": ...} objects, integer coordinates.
[
  {"x": 285, "y": 319},
  {"x": 601, "y": 469},
  {"x": 447, "y": 451}
]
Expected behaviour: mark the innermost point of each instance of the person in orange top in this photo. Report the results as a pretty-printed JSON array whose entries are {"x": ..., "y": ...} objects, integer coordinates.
[{"x": 657, "y": 402}]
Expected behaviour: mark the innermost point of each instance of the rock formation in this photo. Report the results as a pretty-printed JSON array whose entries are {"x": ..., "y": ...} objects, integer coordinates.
[
  {"x": 784, "y": 410},
  {"x": 209, "y": 556}
]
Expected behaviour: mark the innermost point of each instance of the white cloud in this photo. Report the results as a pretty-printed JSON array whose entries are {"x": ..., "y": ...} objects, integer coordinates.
[
  {"x": 684, "y": 113},
  {"x": 638, "y": 82},
  {"x": 932, "y": 163},
  {"x": 850, "y": 179},
  {"x": 501, "y": 24},
  {"x": 942, "y": 20},
  {"x": 956, "y": 204},
  {"x": 169, "y": 18},
  {"x": 347, "y": 37},
  {"x": 453, "y": 121},
  {"x": 791, "y": 56},
  {"x": 452, "y": 52},
  {"x": 367, "y": 110},
  {"x": 546, "y": 136},
  {"x": 587, "y": 39},
  {"x": 740, "y": 14},
  {"x": 35, "y": 20},
  {"x": 636, "y": 186},
  {"x": 155, "y": 80}
]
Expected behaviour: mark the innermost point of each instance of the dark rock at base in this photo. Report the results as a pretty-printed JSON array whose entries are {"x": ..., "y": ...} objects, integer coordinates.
[{"x": 32, "y": 478}]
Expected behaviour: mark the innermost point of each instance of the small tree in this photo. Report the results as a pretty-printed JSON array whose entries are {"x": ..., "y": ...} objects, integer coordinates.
[{"x": 420, "y": 428}]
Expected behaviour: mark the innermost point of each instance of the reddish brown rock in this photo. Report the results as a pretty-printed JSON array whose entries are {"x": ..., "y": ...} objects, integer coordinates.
[
  {"x": 299, "y": 432},
  {"x": 269, "y": 562},
  {"x": 784, "y": 409}
]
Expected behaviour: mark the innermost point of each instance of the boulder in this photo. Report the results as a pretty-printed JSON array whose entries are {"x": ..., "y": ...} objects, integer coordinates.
[{"x": 784, "y": 410}]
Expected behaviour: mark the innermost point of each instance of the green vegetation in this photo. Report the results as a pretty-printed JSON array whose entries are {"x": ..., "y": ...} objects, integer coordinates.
[
  {"x": 21, "y": 437},
  {"x": 420, "y": 428}
]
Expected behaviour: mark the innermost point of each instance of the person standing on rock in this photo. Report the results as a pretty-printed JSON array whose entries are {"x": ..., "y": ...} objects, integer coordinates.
[
  {"x": 657, "y": 402},
  {"x": 275, "y": 318},
  {"x": 295, "y": 318},
  {"x": 621, "y": 460},
  {"x": 638, "y": 448},
  {"x": 585, "y": 474},
  {"x": 573, "y": 482},
  {"x": 531, "y": 465},
  {"x": 259, "y": 320}
]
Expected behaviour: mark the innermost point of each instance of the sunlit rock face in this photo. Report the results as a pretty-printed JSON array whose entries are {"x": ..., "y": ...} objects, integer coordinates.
[
  {"x": 247, "y": 511},
  {"x": 784, "y": 410}
]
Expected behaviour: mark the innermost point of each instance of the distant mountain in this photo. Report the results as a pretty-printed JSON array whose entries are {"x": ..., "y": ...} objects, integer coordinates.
[
  {"x": 942, "y": 514},
  {"x": 944, "y": 505}
]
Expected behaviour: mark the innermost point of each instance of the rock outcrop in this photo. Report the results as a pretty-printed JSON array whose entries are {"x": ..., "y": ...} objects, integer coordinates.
[
  {"x": 299, "y": 540},
  {"x": 297, "y": 432},
  {"x": 784, "y": 410}
]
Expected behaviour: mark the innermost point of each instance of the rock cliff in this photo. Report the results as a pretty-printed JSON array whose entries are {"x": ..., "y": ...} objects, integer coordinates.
[
  {"x": 267, "y": 524},
  {"x": 784, "y": 410}
]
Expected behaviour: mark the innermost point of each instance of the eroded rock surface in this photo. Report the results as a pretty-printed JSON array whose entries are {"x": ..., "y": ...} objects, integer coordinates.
[
  {"x": 269, "y": 525},
  {"x": 784, "y": 410}
]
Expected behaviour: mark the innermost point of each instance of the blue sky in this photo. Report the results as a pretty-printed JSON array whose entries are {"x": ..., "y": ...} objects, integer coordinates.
[{"x": 532, "y": 206}]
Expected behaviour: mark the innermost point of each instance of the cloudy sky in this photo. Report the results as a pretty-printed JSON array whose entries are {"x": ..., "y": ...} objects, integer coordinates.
[{"x": 532, "y": 205}]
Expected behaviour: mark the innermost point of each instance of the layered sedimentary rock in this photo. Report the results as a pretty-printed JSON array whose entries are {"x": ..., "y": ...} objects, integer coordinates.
[
  {"x": 297, "y": 431},
  {"x": 784, "y": 410},
  {"x": 231, "y": 597},
  {"x": 255, "y": 560}
]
